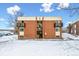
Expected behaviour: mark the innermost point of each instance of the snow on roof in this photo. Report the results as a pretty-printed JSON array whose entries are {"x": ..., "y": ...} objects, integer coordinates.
[
  {"x": 72, "y": 22},
  {"x": 39, "y": 18},
  {"x": 75, "y": 21}
]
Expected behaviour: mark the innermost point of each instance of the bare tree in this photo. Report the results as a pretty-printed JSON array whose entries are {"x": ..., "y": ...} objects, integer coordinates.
[
  {"x": 12, "y": 19},
  {"x": 73, "y": 11}
]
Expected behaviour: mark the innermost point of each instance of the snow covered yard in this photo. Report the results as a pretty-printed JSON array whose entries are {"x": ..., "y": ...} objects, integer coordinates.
[
  {"x": 16, "y": 47},
  {"x": 71, "y": 37},
  {"x": 8, "y": 38}
]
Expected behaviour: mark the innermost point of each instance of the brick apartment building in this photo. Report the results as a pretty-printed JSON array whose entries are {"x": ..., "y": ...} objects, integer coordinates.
[
  {"x": 39, "y": 27},
  {"x": 74, "y": 28}
]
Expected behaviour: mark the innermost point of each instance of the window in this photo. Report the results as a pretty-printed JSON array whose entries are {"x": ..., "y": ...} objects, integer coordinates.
[
  {"x": 22, "y": 21},
  {"x": 39, "y": 26},
  {"x": 58, "y": 24},
  {"x": 75, "y": 26},
  {"x": 57, "y": 29},
  {"x": 21, "y": 28},
  {"x": 21, "y": 24}
]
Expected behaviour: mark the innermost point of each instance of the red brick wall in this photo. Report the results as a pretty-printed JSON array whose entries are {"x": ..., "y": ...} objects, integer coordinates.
[
  {"x": 30, "y": 29},
  {"x": 48, "y": 29}
]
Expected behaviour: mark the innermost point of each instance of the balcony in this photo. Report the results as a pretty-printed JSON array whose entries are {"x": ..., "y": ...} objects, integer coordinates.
[
  {"x": 20, "y": 24},
  {"x": 58, "y": 25}
]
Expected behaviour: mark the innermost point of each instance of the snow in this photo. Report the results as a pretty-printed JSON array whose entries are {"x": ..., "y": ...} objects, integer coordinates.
[
  {"x": 15, "y": 47},
  {"x": 32, "y": 48},
  {"x": 70, "y": 36},
  {"x": 7, "y": 38}
]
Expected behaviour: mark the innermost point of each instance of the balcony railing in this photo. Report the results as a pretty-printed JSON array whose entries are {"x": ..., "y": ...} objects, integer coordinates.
[
  {"x": 21, "y": 25},
  {"x": 58, "y": 24}
]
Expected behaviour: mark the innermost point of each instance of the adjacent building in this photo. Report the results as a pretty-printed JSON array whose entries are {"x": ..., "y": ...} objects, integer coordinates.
[
  {"x": 39, "y": 27},
  {"x": 73, "y": 28}
]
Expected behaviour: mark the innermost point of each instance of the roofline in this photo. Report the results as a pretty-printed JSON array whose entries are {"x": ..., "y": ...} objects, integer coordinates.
[{"x": 33, "y": 17}]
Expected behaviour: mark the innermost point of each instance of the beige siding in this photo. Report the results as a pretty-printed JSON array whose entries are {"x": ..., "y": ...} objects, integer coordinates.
[
  {"x": 21, "y": 33},
  {"x": 26, "y": 18},
  {"x": 57, "y": 33}
]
